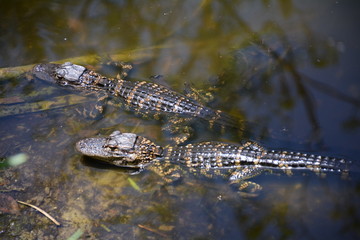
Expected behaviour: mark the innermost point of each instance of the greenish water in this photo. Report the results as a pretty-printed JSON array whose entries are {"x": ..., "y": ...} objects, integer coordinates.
[{"x": 287, "y": 67}]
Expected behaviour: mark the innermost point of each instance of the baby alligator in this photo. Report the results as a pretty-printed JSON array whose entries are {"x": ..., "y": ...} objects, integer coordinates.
[
  {"x": 140, "y": 95},
  {"x": 244, "y": 161}
]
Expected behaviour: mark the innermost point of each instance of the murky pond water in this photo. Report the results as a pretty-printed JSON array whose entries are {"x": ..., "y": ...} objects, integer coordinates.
[{"x": 289, "y": 68}]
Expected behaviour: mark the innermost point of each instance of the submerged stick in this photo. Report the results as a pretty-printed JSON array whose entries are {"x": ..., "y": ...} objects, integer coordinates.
[
  {"x": 94, "y": 59},
  {"x": 152, "y": 230},
  {"x": 17, "y": 108},
  {"x": 42, "y": 211}
]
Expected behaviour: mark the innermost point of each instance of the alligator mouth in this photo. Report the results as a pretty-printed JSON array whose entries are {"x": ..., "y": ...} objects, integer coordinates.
[
  {"x": 45, "y": 71},
  {"x": 93, "y": 147},
  {"x": 96, "y": 148}
]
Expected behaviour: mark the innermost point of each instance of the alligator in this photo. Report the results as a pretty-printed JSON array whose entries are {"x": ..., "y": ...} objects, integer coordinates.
[
  {"x": 138, "y": 95},
  {"x": 243, "y": 161},
  {"x": 132, "y": 151}
]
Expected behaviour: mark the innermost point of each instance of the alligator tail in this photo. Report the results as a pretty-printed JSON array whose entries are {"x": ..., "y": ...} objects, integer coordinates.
[{"x": 288, "y": 160}]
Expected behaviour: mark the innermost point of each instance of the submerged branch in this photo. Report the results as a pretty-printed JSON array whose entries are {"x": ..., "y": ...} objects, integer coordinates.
[
  {"x": 142, "y": 54},
  {"x": 152, "y": 230},
  {"x": 332, "y": 91},
  {"x": 32, "y": 107}
]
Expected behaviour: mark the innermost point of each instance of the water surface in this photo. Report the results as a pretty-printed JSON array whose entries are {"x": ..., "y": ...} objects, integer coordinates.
[{"x": 289, "y": 68}]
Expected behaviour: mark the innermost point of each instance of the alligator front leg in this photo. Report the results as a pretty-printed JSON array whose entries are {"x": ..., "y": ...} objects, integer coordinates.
[
  {"x": 178, "y": 128},
  {"x": 121, "y": 69},
  {"x": 246, "y": 188},
  {"x": 96, "y": 110}
]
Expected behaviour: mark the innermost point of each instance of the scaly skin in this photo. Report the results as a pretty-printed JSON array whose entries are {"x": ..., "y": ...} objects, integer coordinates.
[
  {"x": 222, "y": 155},
  {"x": 137, "y": 152},
  {"x": 140, "y": 95}
]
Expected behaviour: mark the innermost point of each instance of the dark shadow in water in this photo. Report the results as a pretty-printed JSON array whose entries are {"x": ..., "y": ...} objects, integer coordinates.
[{"x": 89, "y": 162}]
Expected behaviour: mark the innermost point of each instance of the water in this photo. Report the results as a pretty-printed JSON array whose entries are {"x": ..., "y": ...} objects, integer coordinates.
[{"x": 287, "y": 67}]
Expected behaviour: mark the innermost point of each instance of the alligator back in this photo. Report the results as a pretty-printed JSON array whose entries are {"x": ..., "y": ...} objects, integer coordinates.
[
  {"x": 157, "y": 98},
  {"x": 221, "y": 155},
  {"x": 152, "y": 97},
  {"x": 139, "y": 95}
]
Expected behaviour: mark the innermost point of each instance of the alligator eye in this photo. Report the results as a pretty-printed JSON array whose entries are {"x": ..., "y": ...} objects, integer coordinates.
[
  {"x": 59, "y": 76},
  {"x": 63, "y": 83}
]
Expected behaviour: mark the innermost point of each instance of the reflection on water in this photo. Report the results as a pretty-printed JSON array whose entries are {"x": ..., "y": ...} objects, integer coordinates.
[{"x": 286, "y": 67}]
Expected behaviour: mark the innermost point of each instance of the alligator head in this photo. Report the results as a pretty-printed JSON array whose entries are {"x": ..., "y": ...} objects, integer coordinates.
[
  {"x": 120, "y": 149},
  {"x": 63, "y": 74}
]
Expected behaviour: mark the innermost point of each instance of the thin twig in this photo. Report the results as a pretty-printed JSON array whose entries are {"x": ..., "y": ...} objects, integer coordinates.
[
  {"x": 42, "y": 211},
  {"x": 153, "y": 230}
]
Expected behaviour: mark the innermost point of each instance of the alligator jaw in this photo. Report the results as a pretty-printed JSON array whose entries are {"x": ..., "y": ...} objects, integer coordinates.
[
  {"x": 45, "y": 71},
  {"x": 93, "y": 147},
  {"x": 96, "y": 148}
]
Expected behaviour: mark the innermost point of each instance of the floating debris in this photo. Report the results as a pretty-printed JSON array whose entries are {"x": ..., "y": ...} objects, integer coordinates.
[
  {"x": 105, "y": 227},
  {"x": 134, "y": 184},
  {"x": 17, "y": 159},
  {"x": 76, "y": 235}
]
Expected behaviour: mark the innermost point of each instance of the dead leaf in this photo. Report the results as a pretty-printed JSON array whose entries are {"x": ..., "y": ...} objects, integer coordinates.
[{"x": 8, "y": 205}]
